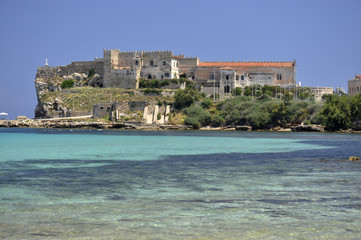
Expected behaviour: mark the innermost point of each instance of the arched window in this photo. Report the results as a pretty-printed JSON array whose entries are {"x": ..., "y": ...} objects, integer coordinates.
[
  {"x": 149, "y": 76},
  {"x": 226, "y": 89}
]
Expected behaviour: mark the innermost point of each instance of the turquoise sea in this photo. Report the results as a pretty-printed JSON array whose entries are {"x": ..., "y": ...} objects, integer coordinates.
[{"x": 89, "y": 184}]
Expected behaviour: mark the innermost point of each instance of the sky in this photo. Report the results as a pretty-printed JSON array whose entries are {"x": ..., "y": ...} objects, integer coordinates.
[{"x": 324, "y": 36}]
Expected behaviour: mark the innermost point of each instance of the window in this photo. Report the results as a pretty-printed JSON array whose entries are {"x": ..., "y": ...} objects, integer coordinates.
[
  {"x": 227, "y": 77},
  {"x": 151, "y": 63},
  {"x": 177, "y": 64},
  {"x": 279, "y": 76},
  {"x": 211, "y": 76},
  {"x": 136, "y": 62},
  {"x": 242, "y": 77},
  {"x": 149, "y": 76},
  {"x": 164, "y": 63},
  {"x": 226, "y": 89},
  {"x": 108, "y": 109},
  {"x": 237, "y": 77},
  {"x": 161, "y": 76},
  {"x": 166, "y": 75}
]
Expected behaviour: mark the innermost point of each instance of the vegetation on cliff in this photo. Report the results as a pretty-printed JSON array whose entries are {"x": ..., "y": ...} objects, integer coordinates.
[{"x": 83, "y": 98}]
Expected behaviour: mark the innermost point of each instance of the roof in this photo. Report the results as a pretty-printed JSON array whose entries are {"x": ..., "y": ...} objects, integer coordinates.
[
  {"x": 227, "y": 68},
  {"x": 246, "y": 64},
  {"x": 121, "y": 67},
  {"x": 357, "y": 76}
]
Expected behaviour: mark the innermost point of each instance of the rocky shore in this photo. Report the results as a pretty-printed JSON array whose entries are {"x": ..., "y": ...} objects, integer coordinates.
[
  {"x": 50, "y": 123},
  {"x": 30, "y": 123}
]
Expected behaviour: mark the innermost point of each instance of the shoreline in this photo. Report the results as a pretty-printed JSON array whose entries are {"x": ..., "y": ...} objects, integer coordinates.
[{"x": 70, "y": 124}]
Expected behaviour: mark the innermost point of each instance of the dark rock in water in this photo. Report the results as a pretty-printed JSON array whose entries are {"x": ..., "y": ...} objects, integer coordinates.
[{"x": 243, "y": 128}]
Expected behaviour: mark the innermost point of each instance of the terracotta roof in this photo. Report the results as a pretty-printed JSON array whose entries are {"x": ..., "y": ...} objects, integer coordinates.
[
  {"x": 121, "y": 67},
  {"x": 227, "y": 68},
  {"x": 358, "y": 76},
  {"x": 246, "y": 64}
]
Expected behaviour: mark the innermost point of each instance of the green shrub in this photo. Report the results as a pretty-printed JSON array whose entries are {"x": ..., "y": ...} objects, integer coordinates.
[
  {"x": 197, "y": 116},
  {"x": 237, "y": 91},
  {"x": 91, "y": 73},
  {"x": 159, "y": 116},
  {"x": 152, "y": 90},
  {"x": 207, "y": 103},
  {"x": 164, "y": 83},
  {"x": 217, "y": 121},
  {"x": 185, "y": 97},
  {"x": 67, "y": 83},
  {"x": 336, "y": 113},
  {"x": 192, "y": 121}
]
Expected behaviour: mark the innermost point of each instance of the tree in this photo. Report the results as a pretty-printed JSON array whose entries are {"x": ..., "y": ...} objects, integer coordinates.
[
  {"x": 237, "y": 91},
  {"x": 197, "y": 116},
  {"x": 207, "y": 103},
  {"x": 336, "y": 113},
  {"x": 185, "y": 97}
]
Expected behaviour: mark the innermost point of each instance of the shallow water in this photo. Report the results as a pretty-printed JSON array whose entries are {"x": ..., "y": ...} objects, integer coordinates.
[{"x": 88, "y": 184}]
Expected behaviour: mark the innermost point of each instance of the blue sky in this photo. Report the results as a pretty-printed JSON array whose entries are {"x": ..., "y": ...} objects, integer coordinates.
[{"x": 323, "y": 36}]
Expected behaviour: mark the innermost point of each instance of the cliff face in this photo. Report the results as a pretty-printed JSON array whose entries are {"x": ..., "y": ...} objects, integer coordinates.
[
  {"x": 48, "y": 81},
  {"x": 54, "y": 102}
]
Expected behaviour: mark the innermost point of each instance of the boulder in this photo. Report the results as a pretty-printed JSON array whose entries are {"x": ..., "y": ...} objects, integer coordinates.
[
  {"x": 309, "y": 128},
  {"x": 243, "y": 128},
  {"x": 354, "y": 159}
]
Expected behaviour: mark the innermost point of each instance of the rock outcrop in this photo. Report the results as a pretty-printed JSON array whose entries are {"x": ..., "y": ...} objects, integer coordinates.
[
  {"x": 308, "y": 128},
  {"x": 49, "y": 79}
]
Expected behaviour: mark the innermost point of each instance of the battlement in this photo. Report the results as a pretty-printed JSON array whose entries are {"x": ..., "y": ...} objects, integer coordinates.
[
  {"x": 247, "y": 63},
  {"x": 133, "y": 52}
]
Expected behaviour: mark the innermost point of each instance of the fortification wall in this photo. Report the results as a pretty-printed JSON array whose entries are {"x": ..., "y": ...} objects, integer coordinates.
[
  {"x": 190, "y": 61},
  {"x": 82, "y": 67},
  {"x": 121, "y": 78},
  {"x": 47, "y": 72}
]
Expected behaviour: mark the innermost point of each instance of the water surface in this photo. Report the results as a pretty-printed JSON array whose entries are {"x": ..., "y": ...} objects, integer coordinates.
[{"x": 88, "y": 184}]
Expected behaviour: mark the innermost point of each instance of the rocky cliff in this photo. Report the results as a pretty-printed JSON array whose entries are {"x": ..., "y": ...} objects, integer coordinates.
[
  {"x": 55, "y": 101},
  {"x": 49, "y": 81}
]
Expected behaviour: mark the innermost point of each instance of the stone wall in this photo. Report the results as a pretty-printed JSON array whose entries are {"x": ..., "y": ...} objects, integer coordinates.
[
  {"x": 82, "y": 67},
  {"x": 354, "y": 86},
  {"x": 320, "y": 91}
]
